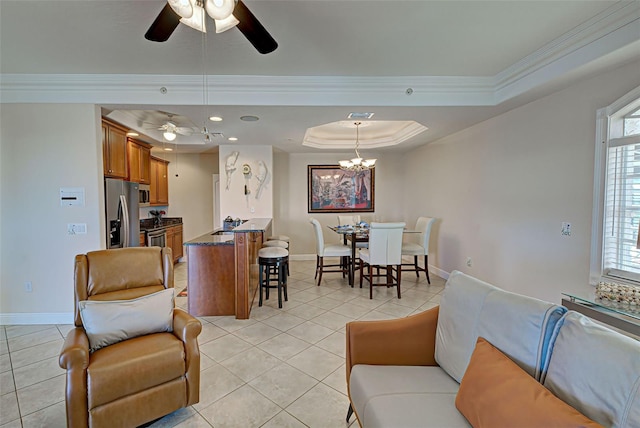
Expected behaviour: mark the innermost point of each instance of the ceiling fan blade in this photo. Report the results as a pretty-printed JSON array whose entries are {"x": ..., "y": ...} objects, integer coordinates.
[
  {"x": 163, "y": 26},
  {"x": 253, "y": 29}
]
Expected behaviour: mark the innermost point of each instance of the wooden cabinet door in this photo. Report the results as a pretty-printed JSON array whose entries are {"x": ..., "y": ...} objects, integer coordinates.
[
  {"x": 177, "y": 243},
  {"x": 145, "y": 165},
  {"x": 153, "y": 176},
  {"x": 134, "y": 162},
  {"x": 116, "y": 152},
  {"x": 159, "y": 182},
  {"x": 163, "y": 183}
]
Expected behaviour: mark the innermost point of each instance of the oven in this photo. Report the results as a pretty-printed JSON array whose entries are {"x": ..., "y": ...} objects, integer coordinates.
[{"x": 157, "y": 238}]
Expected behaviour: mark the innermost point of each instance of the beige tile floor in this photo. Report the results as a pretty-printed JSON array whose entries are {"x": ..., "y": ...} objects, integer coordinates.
[{"x": 281, "y": 368}]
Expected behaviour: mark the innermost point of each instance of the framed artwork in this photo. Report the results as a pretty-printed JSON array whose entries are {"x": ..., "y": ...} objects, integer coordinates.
[{"x": 333, "y": 190}]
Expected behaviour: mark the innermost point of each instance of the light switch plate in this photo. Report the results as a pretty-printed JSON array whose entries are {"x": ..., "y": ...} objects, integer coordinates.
[{"x": 77, "y": 228}]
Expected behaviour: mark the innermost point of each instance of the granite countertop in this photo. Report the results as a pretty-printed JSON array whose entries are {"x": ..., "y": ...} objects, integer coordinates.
[
  {"x": 147, "y": 224},
  {"x": 217, "y": 237},
  {"x": 253, "y": 225}
]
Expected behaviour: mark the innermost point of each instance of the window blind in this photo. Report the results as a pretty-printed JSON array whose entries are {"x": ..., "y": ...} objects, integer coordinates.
[{"x": 621, "y": 257}]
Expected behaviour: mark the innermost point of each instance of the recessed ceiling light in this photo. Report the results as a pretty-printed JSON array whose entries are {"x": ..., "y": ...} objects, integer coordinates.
[
  {"x": 361, "y": 115},
  {"x": 132, "y": 134},
  {"x": 249, "y": 118},
  {"x": 233, "y": 139},
  {"x": 168, "y": 149},
  {"x": 215, "y": 119}
]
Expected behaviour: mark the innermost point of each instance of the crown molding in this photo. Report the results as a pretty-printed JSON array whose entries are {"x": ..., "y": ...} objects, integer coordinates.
[{"x": 613, "y": 29}]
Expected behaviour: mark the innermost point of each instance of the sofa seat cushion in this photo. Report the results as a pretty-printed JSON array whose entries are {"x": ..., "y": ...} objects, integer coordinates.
[
  {"x": 495, "y": 392},
  {"x": 597, "y": 371},
  {"x": 404, "y": 396},
  {"x": 134, "y": 365}
]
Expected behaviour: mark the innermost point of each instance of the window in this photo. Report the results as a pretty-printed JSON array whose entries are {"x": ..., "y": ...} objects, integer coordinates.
[{"x": 615, "y": 254}]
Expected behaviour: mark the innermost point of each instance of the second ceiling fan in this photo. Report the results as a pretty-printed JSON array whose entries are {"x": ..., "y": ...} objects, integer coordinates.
[{"x": 226, "y": 14}]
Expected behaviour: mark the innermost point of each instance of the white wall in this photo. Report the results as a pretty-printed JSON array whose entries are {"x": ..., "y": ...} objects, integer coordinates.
[
  {"x": 234, "y": 202},
  {"x": 190, "y": 192},
  {"x": 291, "y": 215},
  {"x": 44, "y": 147},
  {"x": 502, "y": 188}
]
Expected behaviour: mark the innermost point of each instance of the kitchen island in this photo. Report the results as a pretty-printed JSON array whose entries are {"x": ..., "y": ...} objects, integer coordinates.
[{"x": 223, "y": 271}]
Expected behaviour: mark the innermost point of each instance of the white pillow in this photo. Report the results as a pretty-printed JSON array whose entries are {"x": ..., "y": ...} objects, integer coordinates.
[{"x": 109, "y": 322}]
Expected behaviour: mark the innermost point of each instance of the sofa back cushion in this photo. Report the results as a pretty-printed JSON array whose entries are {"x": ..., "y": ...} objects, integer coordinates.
[
  {"x": 597, "y": 371},
  {"x": 519, "y": 326}
]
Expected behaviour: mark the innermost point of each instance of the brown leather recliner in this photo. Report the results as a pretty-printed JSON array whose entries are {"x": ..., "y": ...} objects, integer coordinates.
[{"x": 135, "y": 381}]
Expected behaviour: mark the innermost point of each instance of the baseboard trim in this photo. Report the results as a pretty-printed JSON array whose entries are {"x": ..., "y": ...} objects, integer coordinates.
[{"x": 36, "y": 318}]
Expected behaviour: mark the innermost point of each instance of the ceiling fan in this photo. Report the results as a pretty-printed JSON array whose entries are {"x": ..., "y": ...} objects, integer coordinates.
[
  {"x": 170, "y": 130},
  {"x": 226, "y": 14}
]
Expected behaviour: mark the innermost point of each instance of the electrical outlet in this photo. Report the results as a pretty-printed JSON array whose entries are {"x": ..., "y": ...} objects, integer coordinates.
[
  {"x": 28, "y": 286},
  {"x": 566, "y": 229},
  {"x": 469, "y": 262}
]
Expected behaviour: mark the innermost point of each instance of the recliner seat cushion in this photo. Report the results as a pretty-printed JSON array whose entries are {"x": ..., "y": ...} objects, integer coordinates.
[
  {"x": 597, "y": 371},
  {"x": 404, "y": 396},
  {"x": 134, "y": 365}
]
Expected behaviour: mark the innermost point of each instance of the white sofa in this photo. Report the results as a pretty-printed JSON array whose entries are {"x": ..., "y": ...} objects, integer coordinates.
[{"x": 407, "y": 372}]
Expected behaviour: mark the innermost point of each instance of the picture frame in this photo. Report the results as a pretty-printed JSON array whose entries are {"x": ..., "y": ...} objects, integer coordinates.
[{"x": 334, "y": 190}]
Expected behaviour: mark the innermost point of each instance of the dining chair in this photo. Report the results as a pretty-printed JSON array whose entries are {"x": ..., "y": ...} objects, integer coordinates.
[
  {"x": 348, "y": 220},
  {"x": 417, "y": 244},
  {"x": 330, "y": 250},
  {"x": 385, "y": 249}
]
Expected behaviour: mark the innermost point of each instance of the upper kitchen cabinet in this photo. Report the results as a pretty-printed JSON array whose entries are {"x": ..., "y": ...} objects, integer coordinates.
[
  {"x": 114, "y": 150},
  {"x": 139, "y": 154},
  {"x": 159, "y": 182}
]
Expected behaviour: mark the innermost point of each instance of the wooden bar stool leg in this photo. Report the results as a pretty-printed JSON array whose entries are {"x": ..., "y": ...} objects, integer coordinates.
[{"x": 260, "y": 283}]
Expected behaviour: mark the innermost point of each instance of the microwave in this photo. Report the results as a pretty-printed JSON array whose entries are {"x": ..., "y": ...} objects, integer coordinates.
[{"x": 144, "y": 194}]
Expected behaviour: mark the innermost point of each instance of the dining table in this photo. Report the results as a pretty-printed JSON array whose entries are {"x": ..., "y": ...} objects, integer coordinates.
[{"x": 356, "y": 234}]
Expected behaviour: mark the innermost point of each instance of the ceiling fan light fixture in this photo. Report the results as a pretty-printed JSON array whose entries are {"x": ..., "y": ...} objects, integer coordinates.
[
  {"x": 196, "y": 21},
  {"x": 182, "y": 8},
  {"x": 228, "y": 23},
  {"x": 219, "y": 9},
  {"x": 169, "y": 135}
]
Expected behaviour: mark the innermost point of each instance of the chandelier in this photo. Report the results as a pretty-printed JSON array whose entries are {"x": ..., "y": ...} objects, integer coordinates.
[{"x": 357, "y": 164}]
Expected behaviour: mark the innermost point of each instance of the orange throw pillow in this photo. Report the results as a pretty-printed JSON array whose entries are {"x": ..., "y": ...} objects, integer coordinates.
[{"x": 495, "y": 392}]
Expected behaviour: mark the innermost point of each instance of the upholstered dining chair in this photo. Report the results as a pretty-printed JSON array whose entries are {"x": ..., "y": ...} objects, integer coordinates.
[
  {"x": 417, "y": 244},
  {"x": 348, "y": 220},
  {"x": 385, "y": 249},
  {"x": 329, "y": 250},
  {"x": 132, "y": 356}
]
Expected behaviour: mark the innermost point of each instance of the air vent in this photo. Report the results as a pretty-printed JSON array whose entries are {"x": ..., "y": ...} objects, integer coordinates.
[
  {"x": 216, "y": 134},
  {"x": 356, "y": 115}
]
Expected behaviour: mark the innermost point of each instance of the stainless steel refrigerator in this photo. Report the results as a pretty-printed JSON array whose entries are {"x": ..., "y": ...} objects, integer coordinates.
[{"x": 123, "y": 216}]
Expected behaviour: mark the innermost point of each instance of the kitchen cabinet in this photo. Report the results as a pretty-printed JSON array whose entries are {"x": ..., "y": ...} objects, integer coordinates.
[
  {"x": 159, "y": 181},
  {"x": 143, "y": 242},
  {"x": 114, "y": 150},
  {"x": 139, "y": 161},
  {"x": 174, "y": 241}
]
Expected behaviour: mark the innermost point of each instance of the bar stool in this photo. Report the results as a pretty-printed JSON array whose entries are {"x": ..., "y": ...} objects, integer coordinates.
[
  {"x": 284, "y": 238},
  {"x": 280, "y": 244},
  {"x": 275, "y": 258},
  {"x": 276, "y": 243}
]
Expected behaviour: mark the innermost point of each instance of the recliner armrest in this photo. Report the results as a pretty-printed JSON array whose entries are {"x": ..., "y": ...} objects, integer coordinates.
[
  {"x": 75, "y": 350},
  {"x": 409, "y": 341},
  {"x": 185, "y": 326}
]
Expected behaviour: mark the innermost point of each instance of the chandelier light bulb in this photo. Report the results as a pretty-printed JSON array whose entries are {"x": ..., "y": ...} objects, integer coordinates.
[{"x": 357, "y": 164}]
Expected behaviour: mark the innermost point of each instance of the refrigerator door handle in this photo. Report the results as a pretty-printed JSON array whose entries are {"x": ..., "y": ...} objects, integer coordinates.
[{"x": 125, "y": 221}]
